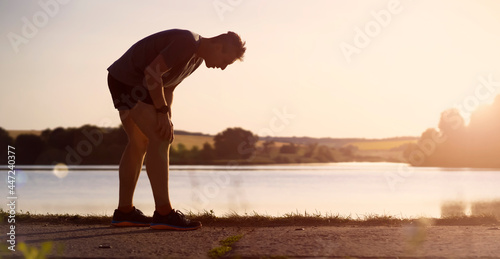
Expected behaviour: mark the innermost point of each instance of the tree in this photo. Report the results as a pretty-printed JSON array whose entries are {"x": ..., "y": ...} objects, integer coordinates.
[
  {"x": 182, "y": 151},
  {"x": 28, "y": 148},
  {"x": 289, "y": 148},
  {"x": 268, "y": 145},
  {"x": 348, "y": 151},
  {"x": 410, "y": 152},
  {"x": 310, "y": 149},
  {"x": 5, "y": 140},
  {"x": 483, "y": 133},
  {"x": 451, "y": 122},
  {"x": 207, "y": 153},
  {"x": 324, "y": 154},
  {"x": 58, "y": 138},
  {"x": 458, "y": 145},
  {"x": 428, "y": 146},
  {"x": 178, "y": 154},
  {"x": 235, "y": 143}
]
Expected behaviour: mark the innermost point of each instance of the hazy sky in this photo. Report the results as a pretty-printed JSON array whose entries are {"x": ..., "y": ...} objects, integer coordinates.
[{"x": 312, "y": 68}]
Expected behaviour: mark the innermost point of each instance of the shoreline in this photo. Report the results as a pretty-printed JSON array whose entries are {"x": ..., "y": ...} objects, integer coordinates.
[{"x": 208, "y": 218}]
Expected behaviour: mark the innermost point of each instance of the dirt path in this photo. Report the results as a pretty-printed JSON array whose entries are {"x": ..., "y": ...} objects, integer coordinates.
[{"x": 101, "y": 241}]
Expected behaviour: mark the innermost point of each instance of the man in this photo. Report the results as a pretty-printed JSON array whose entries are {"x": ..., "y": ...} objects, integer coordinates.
[{"x": 141, "y": 83}]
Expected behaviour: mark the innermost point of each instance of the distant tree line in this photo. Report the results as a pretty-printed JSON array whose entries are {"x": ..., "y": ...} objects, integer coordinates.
[
  {"x": 84, "y": 145},
  {"x": 455, "y": 144},
  {"x": 91, "y": 145}
]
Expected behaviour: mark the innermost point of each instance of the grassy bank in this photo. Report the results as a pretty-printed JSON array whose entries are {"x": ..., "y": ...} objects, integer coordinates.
[{"x": 258, "y": 220}]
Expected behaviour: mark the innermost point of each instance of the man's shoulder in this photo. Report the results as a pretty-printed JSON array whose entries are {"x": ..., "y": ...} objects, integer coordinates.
[
  {"x": 178, "y": 34},
  {"x": 182, "y": 41}
]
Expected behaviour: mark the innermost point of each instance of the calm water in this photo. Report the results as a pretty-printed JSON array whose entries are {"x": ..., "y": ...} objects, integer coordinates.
[{"x": 339, "y": 188}]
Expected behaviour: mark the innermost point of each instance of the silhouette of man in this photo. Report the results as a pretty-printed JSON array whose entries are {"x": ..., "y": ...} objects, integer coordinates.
[{"x": 142, "y": 82}]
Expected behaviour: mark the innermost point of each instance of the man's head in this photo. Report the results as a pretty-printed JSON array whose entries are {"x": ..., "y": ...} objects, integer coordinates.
[{"x": 222, "y": 50}]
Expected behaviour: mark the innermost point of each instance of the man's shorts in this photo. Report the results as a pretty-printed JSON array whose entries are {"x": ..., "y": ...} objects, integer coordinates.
[{"x": 125, "y": 97}]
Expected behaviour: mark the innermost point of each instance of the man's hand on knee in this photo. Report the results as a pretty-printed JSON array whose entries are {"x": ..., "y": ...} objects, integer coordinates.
[{"x": 165, "y": 127}]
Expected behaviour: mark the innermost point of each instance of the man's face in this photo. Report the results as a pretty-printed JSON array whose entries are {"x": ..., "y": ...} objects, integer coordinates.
[{"x": 219, "y": 58}]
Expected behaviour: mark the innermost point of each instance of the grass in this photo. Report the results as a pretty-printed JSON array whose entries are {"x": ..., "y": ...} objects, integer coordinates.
[
  {"x": 258, "y": 220},
  {"x": 32, "y": 252},
  {"x": 225, "y": 247}
]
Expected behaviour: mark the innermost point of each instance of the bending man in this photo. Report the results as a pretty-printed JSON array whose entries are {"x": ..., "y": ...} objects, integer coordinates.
[{"x": 142, "y": 82}]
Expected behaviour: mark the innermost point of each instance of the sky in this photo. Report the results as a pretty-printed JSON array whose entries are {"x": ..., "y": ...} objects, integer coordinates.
[{"x": 368, "y": 69}]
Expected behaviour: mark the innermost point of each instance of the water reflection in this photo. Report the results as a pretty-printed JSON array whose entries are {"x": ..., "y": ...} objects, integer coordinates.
[
  {"x": 486, "y": 208},
  {"x": 453, "y": 209},
  {"x": 460, "y": 208}
]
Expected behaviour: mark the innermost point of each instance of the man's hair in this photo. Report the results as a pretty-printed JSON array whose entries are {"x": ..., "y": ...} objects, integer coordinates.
[{"x": 234, "y": 40}]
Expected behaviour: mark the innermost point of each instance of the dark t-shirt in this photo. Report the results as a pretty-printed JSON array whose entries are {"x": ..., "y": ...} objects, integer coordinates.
[{"x": 178, "y": 49}]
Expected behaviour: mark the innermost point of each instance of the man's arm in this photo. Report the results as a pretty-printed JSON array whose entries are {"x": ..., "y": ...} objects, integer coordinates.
[
  {"x": 153, "y": 77},
  {"x": 169, "y": 98}
]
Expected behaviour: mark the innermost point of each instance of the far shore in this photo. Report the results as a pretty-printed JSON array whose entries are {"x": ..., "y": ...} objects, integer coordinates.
[{"x": 234, "y": 163}]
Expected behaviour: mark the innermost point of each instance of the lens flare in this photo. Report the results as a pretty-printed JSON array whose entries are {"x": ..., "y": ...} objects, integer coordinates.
[
  {"x": 21, "y": 179},
  {"x": 60, "y": 170}
]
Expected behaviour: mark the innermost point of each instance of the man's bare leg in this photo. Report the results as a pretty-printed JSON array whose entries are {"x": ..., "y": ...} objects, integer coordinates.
[
  {"x": 131, "y": 161},
  {"x": 145, "y": 117}
]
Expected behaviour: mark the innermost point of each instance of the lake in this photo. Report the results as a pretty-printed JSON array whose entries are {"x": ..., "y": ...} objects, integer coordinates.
[{"x": 355, "y": 189}]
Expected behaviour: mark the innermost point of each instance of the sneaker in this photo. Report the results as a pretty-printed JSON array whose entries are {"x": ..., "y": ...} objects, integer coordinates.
[
  {"x": 135, "y": 218},
  {"x": 175, "y": 220}
]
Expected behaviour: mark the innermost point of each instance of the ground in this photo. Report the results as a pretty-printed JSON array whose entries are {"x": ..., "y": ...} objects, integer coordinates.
[{"x": 411, "y": 240}]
